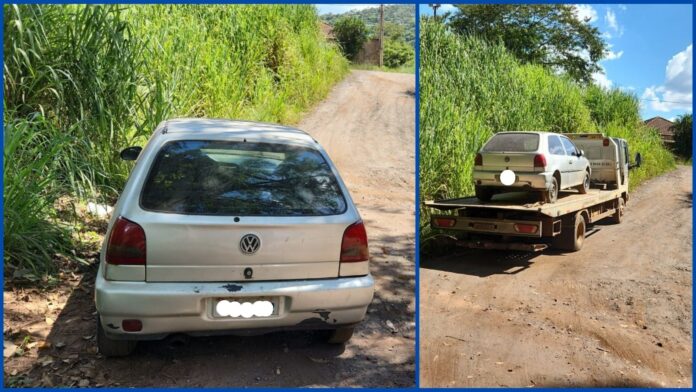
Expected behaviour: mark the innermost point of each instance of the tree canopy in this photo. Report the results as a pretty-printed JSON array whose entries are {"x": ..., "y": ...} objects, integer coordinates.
[
  {"x": 351, "y": 34},
  {"x": 683, "y": 134},
  {"x": 548, "y": 34}
]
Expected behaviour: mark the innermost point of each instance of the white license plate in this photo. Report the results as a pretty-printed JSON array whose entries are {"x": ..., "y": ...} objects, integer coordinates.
[{"x": 244, "y": 308}]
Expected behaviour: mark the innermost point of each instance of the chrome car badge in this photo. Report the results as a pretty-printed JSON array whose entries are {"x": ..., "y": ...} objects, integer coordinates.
[{"x": 249, "y": 244}]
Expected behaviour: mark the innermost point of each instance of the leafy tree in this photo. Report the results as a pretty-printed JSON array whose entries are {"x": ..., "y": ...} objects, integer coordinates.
[
  {"x": 351, "y": 34},
  {"x": 392, "y": 31},
  {"x": 548, "y": 34},
  {"x": 683, "y": 135}
]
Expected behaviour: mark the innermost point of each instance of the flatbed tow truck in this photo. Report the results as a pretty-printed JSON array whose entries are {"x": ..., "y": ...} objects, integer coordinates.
[{"x": 518, "y": 221}]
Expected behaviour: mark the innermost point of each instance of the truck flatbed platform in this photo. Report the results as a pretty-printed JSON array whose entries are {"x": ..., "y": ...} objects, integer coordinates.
[{"x": 568, "y": 202}]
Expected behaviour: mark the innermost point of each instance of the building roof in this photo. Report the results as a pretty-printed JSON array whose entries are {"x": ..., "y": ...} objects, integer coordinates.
[{"x": 663, "y": 125}]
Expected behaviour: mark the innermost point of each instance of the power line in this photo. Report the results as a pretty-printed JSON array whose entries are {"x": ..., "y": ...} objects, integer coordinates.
[{"x": 659, "y": 100}]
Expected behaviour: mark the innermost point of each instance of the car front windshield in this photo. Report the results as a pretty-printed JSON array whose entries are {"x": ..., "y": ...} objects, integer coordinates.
[
  {"x": 513, "y": 142},
  {"x": 241, "y": 178}
]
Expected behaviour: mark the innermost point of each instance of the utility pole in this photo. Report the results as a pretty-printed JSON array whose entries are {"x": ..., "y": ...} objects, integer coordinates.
[
  {"x": 434, "y": 7},
  {"x": 381, "y": 35}
]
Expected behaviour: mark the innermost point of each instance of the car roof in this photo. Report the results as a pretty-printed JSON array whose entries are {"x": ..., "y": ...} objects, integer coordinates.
[
  {"x": 534, "y": 132},
  {"x": 199, "y": 126}
]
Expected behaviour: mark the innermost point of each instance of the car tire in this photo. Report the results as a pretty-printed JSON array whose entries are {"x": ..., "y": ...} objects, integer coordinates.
[
  {"x": 585, "y": 186},
  {"x": 618, "y": 215},
  {"x": 113, "y": 347},
  {"x": 484, "y": 194},
  {"x": 551, "y": 195},
  {"x": 572, "y": 235},
  {"x": 340, "y": 335}
]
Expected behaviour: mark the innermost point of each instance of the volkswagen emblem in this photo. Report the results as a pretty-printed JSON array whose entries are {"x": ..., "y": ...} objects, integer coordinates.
[
  {"x": 507, "y": 159},
  {"x": 249, "y": 244}
]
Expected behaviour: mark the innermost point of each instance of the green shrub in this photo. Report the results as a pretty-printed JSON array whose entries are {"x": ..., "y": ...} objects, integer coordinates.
[{"x": 397, "y": 53}]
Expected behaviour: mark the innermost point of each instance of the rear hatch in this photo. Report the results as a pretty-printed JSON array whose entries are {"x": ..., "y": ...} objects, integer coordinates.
[
  {"x": 234, "y": 211},
  {"x": 514, "y": 151}
]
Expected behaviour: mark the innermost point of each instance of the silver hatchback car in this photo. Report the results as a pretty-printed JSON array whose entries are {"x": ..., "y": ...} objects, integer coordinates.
[
  {"x": 230, "y": 227},
  {"x": 538, "y": 161}
]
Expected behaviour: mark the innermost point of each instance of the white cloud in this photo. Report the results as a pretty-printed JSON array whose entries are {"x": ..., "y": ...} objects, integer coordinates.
[
  {"x": 611, "y": 55},
  {"x": 610, "y": 18},
  {"x": 622, "y": 7},
  {"x": 585, "y": 12},
  {"x": 601, "y": 79},
  {"x": 675, "y": 93}
]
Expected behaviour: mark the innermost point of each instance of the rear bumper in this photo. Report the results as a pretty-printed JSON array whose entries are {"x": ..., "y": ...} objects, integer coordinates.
[
  {"x": 539, "y": 181},
  {"x": 166, "y": 308}
]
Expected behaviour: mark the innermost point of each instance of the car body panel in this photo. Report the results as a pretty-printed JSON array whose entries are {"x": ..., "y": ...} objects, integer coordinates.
[
  {"x": 186, "y": 307},
  {"x": 190, "y": 258}
]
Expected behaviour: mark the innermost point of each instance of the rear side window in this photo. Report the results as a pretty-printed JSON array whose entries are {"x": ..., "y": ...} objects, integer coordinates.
[
  {"x": 555, "y": 146},
  {"x": 241, "y": 178},
  {"x": 513, "y": 142},
  {"x": 569, "y": 146}
]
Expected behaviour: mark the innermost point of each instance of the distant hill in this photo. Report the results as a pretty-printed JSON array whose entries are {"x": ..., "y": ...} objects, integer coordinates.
[{"x": 402, "y": 15}]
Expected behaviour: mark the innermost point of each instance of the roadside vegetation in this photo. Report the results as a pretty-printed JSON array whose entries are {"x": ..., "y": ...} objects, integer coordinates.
[
  {"x": 81, "y": 82},
  {"x": 354, "y": 28},
  {"x": 471, "y": 88}
]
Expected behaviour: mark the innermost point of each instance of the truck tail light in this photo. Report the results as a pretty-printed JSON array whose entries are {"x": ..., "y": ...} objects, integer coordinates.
[
  {"x": 354, "y": 244},
  {"x": 539, "y": 160},
  {"x": 445, "y": 222},
  {"x": 126, "y": 243},
  {"x": 526, "y": 228},
  {"x": 478, "y": 161}
]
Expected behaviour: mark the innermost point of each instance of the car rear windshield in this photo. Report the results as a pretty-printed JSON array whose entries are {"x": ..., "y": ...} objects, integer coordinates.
[
  {"x": 513, "y": 142},
  {"x": 241, "y": 178}
]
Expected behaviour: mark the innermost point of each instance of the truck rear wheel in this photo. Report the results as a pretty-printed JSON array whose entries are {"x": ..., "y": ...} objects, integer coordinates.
[
  {"x": 112, "y": 347},
  {"x": 484, "y": 194},
  {"x": 572, "y": 234},
  {"x": 618, "y": 215}
]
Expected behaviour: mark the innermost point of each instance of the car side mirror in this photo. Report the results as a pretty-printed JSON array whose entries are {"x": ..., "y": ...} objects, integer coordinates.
[
  {"x": 639, "y": 160},
  {"x": 131, "y": 153},
  {"x": 581, "y": 153}
]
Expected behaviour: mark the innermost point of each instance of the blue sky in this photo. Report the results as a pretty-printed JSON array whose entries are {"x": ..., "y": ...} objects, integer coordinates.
[{"x": 650, "y": 52}]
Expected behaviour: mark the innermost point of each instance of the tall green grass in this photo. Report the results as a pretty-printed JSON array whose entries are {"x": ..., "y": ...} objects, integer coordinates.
[
  {"x": 82, "y": 82},
  {"x": 470, "y": 89}
]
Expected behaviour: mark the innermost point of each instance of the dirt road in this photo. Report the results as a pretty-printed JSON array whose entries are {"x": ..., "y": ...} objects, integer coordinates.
[
  {"x": 617, "y": 313},
  {"x": 367, "y": 126}
]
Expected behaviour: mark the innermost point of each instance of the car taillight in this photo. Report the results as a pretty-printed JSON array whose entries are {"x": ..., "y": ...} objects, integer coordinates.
[
  {"x": 525, "y": 228},
  {"x": 126, "y": 243},
  {"x": 539, "y": 160},
  {"x": 605, "y": 142},
  {"x": 478, "y": 161},
  {"x": 445, "y": 222},
  {"x": 354, "y": 244}
]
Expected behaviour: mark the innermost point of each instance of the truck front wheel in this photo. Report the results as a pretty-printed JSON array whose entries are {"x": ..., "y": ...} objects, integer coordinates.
[{"x": 572, "y": 234}]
